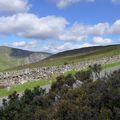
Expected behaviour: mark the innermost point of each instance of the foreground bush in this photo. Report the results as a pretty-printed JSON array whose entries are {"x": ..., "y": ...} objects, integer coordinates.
[{"x": 91, "y": 100}]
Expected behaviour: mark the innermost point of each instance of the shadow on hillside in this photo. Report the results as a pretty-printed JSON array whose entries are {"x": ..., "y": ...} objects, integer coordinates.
[{"x": 17, "y": 53}]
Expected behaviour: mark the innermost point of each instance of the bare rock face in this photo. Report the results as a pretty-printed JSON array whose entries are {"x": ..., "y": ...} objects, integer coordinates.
[{"x": 35, "y": 57}]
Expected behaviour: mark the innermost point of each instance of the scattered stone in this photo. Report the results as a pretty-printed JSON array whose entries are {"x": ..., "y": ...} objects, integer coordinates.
[{"x": 9, "y": 79}]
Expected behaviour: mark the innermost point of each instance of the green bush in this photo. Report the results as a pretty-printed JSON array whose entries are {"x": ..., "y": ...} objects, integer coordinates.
[{"x": 93, "y": 100}]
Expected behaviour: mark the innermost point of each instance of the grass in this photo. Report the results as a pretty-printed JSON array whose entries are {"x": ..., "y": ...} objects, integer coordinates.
[
  {"x": 111, "y": 65},
  {"x": 106, "y": 66},
  {"x": 110, "y": 51},
  {"x": 73, "y": 72},
  {"x": 22, "y": 87},
  {"x": 11, "y": 57},
  {"x": 30, "y": 85},
  {"x": 78, "y": 57}
]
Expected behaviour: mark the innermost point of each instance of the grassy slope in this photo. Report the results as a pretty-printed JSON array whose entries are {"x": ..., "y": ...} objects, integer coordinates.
[
  {"x": 58, "y": 60},
  {"x": 22, "y": 87},
  {"x": 111, "y": 65},
  {"x": 8, "y": 62},
  {"x": 107, "y": 51},
  {"x": 30, "y": 85},
  {"x": 10, "y": 57}
]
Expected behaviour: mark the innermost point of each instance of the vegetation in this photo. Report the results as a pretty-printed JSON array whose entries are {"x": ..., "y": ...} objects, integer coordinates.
[
  {"x": 71, "y": 97},
  {"x": 111, "y": 65},
  {"x": 11, "y": 57},
  {"x": 22, "y": 87}
]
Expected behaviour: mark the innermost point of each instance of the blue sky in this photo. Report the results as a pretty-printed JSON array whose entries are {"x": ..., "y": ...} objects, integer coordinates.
[{"x": 58, "y": 25}]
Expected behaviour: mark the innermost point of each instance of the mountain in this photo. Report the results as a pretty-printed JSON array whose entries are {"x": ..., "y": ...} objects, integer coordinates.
[
  {"x": 76, "y": 55},
  {"x": 77, "y": 52},
  {"x": 12, "y": 57}
]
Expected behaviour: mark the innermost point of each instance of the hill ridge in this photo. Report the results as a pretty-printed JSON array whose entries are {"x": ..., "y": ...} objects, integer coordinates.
[
  {"x": 89, "y": 53},
  {"x": 13, "y": 57}
]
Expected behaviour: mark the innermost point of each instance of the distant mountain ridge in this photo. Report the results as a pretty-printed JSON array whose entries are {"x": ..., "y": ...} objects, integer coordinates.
[
  {"x": 76, "y": 55},
  {"x": 13, "y": 57},
  {"x": 79, "y": 51}
]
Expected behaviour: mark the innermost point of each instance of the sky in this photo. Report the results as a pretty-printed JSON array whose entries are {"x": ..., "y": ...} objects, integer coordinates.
[{"x": 58, "y": 25}]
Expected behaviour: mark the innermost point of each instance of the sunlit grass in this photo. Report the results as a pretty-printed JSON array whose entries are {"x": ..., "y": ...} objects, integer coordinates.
[
  {"x": 21, "y": 87},
  {"x": 74, "y": 58},
  {"x": 30, "y": 85},
  {"x": 111, "y": 65}
]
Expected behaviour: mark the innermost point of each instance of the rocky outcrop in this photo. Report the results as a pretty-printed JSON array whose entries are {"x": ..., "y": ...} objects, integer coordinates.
[{"x": 19, "y": 77}]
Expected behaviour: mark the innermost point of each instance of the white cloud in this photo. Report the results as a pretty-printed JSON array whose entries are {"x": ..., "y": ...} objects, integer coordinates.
[
  {"x": 101, "y": 41},
  {"x": 25, "y": 44},
  {"x": 115, "y": 28},
  {"x": 116, "y": 1},
  {"x": 14, "y": 6},
  {"x": 76, "y": 32},
  {"x": 19, "y": 44},
  {"x": 98, "y": 29},
  {"x": 80, "y": 32},
  {"x": 31, "y": 26},
  {"x": 52, "y": 27},
  {"x": 64, "y": 3},
  {"x": 71, "y": 37},
  {"x": 66, "y": 46}
]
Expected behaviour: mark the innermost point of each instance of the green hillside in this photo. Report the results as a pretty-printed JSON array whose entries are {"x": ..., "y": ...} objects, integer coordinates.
[
  {"x": 12, "y": 57},
  {"x": 76, "y": 55}
]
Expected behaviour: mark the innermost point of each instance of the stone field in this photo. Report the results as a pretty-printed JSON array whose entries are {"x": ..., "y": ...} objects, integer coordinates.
[{"x": 9, "y": 79}]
